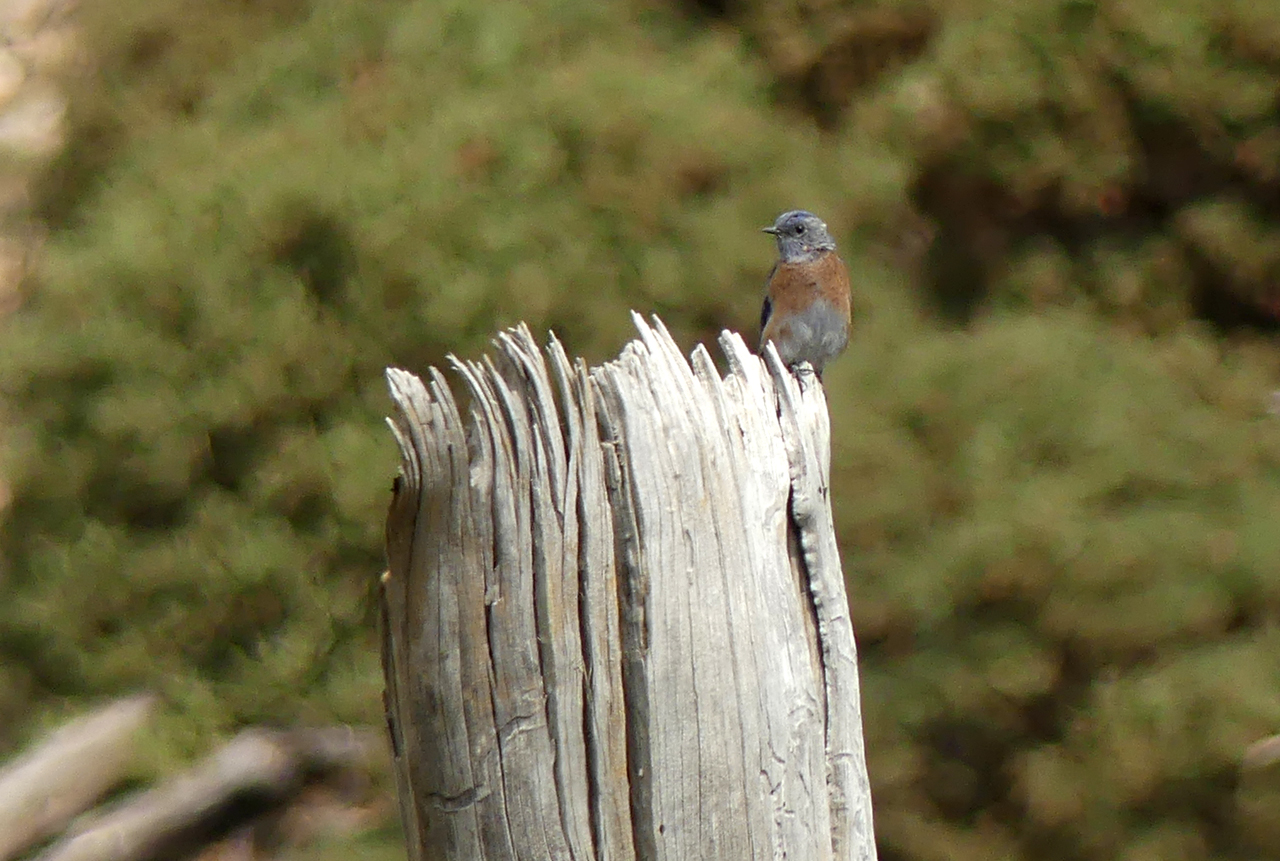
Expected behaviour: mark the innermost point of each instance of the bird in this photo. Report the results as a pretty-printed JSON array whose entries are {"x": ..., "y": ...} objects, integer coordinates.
[{"x": 807, "y": 304}]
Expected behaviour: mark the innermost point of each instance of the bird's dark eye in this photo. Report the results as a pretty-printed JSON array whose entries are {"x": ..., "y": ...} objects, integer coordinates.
[{"x": 799, "y": 230}]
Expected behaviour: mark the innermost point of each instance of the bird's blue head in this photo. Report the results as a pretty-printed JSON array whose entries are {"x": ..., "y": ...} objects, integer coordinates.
[{"x": 801, "y": 236}]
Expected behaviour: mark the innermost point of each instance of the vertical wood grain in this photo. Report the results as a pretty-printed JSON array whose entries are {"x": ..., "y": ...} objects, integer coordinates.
[{"x": 615, "y": 623}]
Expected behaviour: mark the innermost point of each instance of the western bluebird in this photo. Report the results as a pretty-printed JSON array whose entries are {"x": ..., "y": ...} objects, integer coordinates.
[{"x": 807, "y": 307}]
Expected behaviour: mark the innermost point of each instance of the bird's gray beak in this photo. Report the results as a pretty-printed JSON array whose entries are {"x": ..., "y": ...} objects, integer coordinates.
[{"x": 772, "y": 230}]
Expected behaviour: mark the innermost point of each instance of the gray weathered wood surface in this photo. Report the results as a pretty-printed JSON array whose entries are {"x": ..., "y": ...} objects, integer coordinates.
[{"x": 615, "y": 623}]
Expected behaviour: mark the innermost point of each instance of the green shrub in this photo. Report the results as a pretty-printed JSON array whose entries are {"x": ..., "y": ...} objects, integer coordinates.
[
  {"x": 1058, "y": 520},
  {"x": 1123, "y": 154},
  {"x": 292, "y": 200},
  {"x": 1062, "y": 550}
]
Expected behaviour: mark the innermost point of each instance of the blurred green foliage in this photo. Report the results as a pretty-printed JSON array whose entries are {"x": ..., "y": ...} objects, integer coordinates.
[{"x": 1056, "y": 482}]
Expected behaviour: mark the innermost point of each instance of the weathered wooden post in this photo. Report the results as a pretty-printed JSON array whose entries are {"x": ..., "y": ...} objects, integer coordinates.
[{"x": 615, "y": 624}]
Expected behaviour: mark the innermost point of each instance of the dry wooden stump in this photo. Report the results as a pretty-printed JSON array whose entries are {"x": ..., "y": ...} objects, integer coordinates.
[{"x": 615, "y": 623}]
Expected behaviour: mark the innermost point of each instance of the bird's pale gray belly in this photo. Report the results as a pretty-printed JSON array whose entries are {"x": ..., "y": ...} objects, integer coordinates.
[{"x": 815, "y": 335}]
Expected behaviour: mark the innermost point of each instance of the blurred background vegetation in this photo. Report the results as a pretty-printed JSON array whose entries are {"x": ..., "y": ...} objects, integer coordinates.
[{"x": 1057, "y": 482}]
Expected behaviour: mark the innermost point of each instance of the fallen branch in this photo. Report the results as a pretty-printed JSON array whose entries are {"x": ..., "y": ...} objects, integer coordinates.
[
  {"x": 255, "y": 772},
  {"x": 67, "y": 773}
]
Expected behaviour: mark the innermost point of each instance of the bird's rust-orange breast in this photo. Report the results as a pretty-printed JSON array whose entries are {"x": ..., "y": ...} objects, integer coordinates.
[{"x": 795, "y": 285}]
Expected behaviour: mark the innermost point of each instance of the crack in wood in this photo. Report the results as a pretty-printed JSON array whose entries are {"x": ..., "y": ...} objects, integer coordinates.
[{"x": 615, "y": 626}]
